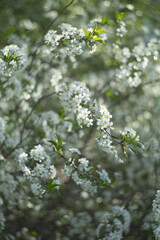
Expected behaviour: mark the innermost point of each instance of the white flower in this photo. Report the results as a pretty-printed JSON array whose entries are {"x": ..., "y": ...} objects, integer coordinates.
[
  {"x": 2, "y": 220},
  {"x": 17, "y": 64},
  {"x": 2, "y": 129},
  {"x": 23, "y": 158},
  {"x": 56, "y": 77},
  {"x": 121, "y": 31},
  {"x": 38, "y": 153},
  {"x": 67, "y": 170},
  {"x": 94, "y": 48},
  {"x": 53, "y": 38},
  {"x": 104, "y": 176},
  {"x": 74, "y": 150},
  {"x": 83, "y": 164},
  {"x": 52, "y": 172},
  {"x": 130, "y": 133},
  {"x": 37, "y": 189}
]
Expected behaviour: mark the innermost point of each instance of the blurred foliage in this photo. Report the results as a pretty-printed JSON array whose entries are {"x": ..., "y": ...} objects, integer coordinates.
[{"x": 29, "y": 19}]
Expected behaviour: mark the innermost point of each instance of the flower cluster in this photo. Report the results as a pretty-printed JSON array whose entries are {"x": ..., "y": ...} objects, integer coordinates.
[
  {"x": 80, "y": 174},
  {"x": 75, "y": 98},
  {"x": 130, "y": 72},
  {"x": 41, "y": 172},
  {"x": 121, "y": 30},
  {"x": 130, "y": 133},
  {"x": 41, "y": 103},
  {"x": 113, "y": 224},
  {"x": 105, "y": 125},
  {"x": 135, "y": 61},
  {"x": 85, "y": 175},
  {"x": 80, "y": 223},
  {"x": 104, "y": 176},
  {"x": 2, "y": 221},
  {"x": 2, "y": 129},
  {"x": 72, "y": 40},
  {"x": 8, "y": 184},
  {"x": 69, "y": 36},
  {"x": 86, "y": 184},
  {"x": 12, "y": 59},
  {"x": 56, "y": 77},
  {"x": 156, "y": 213}
]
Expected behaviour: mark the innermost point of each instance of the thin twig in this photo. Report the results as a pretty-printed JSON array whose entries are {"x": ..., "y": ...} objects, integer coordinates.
[
  {"x": 150, "y": 82},
  {"x": 78, "y": 170},
  {"x": 109, "y": 134},
  {"x": 45, "y": 32},
  {"x": 14, "y": 148},
  {"x": 25, "y": 123},
  {"x": 32, "y": 110}
]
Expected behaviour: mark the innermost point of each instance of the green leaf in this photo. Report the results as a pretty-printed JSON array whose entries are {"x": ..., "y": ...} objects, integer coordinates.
[
  {"x": 8, "y": 56},
  {"x": 1, "y": 54},
  {"x": 14, "y": 57},
  {"x": 59, "y": 140},
  {"x": 106, "y": 21},
  {"x": 99, "y": 40},
  {"x": 57, "y": 145},
  {"x": 33, "y": 233},
  {"x": 61, "y": 113},
  {"x": 109, "y": 93},
  {"x": 54, "y": 143},
  {"x": 126, "y": 155},
  {"x": 100, "y": 31},
  {"x": 50, "y": 185},
  {"x": 107, "y": 185},
  {"x": 86, "y": 32},
  {"x": 132, "y": 150},
  {"x": 120, "y": 16},
  {"x": 11, "y": 30},
  {"x": 140, "y": 145},
  {"x": 89, "y": 45},
  {"x": 95, "y": 26}
]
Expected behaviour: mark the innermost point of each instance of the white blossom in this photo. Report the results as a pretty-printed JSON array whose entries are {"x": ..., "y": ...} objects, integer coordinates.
[{"x": 2, "y": 129}]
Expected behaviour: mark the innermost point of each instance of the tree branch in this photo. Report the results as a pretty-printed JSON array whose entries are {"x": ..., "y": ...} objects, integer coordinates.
[
  {"x": 25, "y": 123},
  {"x": 32, "y": 110},
  {"x": 45, "y": 32}
]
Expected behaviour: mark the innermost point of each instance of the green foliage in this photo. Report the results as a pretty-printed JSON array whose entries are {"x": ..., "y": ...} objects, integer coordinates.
[
  {"x": 52, "y": 187},
  {"x": 30, "y": 122},
  {"x": 120, "y": 16},
  {"x": 57, "y": 144},
  {"x": 94, "y": 35},
  {"x": 106, "y": 20}
]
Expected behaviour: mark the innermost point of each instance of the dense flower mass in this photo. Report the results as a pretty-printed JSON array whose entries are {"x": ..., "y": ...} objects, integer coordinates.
[
  {"x": 79, "y": 120},
  {"x": 2, "y": 129},
  {"x": 135, "y": 61},
  {"x": 40, "y": 172},
  {"x": 156, "y": 213},
  {"x": 12, "y": 59},
  {"x": 113, "y": 224},
  {"x": 75, "y": 98},
  {"x": 71, "y": 35}
]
